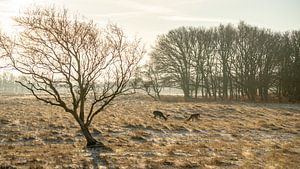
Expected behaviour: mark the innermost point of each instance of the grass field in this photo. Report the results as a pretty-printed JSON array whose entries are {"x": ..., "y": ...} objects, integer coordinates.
[{"x": 227, "y": 135}]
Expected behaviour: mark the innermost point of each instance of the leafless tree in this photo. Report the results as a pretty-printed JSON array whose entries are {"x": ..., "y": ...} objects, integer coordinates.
[
  {"x": 225, "y": 50},
  {"x": 148, "y": 79},
  {"x": 6, "y": 46},
  {"x": 172, "y": 55},
  {"x": 152, "y": 82},
  {"x": 202, "y": 63},
  {"x": 289, "y": 66},
  {"x": 60, "y": 51},
  {"x": 227, "y": 61}
]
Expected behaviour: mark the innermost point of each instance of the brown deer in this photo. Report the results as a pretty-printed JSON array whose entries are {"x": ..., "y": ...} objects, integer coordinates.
[
  {"x": 194, "y": 117},
  {"x": 157, "y": 113}
]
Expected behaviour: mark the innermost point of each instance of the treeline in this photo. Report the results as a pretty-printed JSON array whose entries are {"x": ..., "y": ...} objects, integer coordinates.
[
  {"x": 228, "y": 62},
  {"x": 8, "y": 84}
]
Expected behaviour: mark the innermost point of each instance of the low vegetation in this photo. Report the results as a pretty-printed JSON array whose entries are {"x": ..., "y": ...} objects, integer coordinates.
[{"x": 226, "y": 135}]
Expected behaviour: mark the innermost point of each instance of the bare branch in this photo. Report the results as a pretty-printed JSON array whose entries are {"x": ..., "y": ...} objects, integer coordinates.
[{"x": 71, "y": 59}]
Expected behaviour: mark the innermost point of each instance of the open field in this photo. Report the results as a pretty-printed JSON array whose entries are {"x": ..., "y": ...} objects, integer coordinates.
[{"x": 227, "y": 135}]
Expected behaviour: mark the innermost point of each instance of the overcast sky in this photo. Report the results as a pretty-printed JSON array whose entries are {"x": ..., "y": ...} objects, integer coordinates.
[{"x": 148, "y": 18}]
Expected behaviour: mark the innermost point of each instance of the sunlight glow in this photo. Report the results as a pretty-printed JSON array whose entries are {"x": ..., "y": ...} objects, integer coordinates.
[{"x": 12, "y": 8}]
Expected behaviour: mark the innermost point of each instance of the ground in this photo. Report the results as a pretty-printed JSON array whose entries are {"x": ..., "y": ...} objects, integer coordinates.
[{"x": 227, "y": 135}]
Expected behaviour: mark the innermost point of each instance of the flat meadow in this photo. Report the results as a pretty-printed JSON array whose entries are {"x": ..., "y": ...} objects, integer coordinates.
[{"x": 226, "y": 135}]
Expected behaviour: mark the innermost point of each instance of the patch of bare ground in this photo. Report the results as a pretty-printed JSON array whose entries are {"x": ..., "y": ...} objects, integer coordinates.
[{"x": 226, "y": 135}]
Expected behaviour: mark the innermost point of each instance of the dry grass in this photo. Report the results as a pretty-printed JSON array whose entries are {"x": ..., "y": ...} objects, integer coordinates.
[{"x": 227, "y": 135}]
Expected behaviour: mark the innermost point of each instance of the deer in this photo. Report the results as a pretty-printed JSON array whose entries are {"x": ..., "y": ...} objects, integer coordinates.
[
  {"x": 157, "y": 113},
  {"x": 194, "y": 117}
]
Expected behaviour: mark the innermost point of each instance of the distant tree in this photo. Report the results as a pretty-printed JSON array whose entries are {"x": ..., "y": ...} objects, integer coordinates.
[
  {"x": 172, "y": 55},
  {"x": 149, "y": 80},
  {"x": 268, "y": 60},
  {"x": 225, "y": 50},
  {"x": 202, "y": 47},
  {"x": 6, "y": 45},
  {"x": 296, "y": 63},
  {"x": 256, "y": 60},
  {"x": 247, "y": 59},
  {"x": 289, "y": 66},
  {"x": 94, "y": 65},
  {"x": 207, "y": 62},
  {"x": 152, "y": 82},
  {"x": 242, "y": 61},
  {"x": 197, "y": 43}
]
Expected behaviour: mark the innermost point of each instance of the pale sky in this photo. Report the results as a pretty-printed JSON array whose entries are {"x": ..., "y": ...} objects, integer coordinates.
[{"x": 149, "y": 18}]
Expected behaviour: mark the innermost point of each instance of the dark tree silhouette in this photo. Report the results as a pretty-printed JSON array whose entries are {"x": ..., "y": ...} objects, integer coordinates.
[
  {"x": 243, "y": 61},
  {"x": 172, "y": 55},
  {"x": 225, "y": 50}
]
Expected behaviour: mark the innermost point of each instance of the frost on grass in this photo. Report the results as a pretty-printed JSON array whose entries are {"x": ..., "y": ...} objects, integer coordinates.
[{"x": 227, "y": 135}]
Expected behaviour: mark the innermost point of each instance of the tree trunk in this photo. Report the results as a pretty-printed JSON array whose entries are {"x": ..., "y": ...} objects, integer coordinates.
[
  {"x": 225, "y": 83},
  {"x": 91, "y": 142},
  {"x": 186, "y": 94},
  {"x": 186, "y": 90},
  {"x": 196, "y": 91},
  {"x": 231, "y": 89}
]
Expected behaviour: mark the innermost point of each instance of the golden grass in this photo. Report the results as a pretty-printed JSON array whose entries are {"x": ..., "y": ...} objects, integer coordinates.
[{"x": 227, "y": 135}]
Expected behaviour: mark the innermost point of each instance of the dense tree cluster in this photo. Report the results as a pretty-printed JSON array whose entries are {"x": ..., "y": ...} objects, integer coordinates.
[{"x": 230, "y": 62}]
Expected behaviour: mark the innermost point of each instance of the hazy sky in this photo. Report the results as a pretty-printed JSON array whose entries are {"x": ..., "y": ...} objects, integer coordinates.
[{"x": 148, "y": 18}]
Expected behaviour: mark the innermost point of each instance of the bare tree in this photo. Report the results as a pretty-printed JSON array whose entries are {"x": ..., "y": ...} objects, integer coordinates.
[
  {"x": 289, "y": 66},
  {"x": 148, "y": 79},
  {"x": 93, "y": 66},
  {"x": 172, "y": 55},
  {"x": 203, "y": 49},
  {"x": 228, "y": 61},
  {"x": 153, "y": 82},
  {"x": 197, "y": 44},
  {"x": 6, "y": 46},
  {"x": 225, "y": 50}
]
